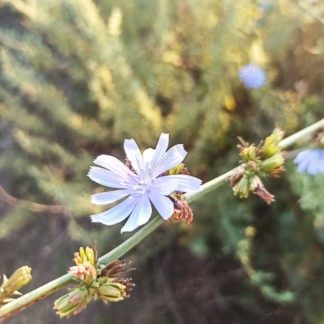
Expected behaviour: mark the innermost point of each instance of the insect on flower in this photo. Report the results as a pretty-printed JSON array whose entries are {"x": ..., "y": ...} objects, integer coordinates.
[{"x": 141, "y": 184}]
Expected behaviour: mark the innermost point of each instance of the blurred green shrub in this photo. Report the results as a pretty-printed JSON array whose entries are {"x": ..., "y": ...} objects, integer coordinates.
[{"x": 77, "y": 77}]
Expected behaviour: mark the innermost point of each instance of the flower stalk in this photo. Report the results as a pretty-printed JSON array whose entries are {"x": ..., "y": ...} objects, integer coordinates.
[{"x": 49, "y": 288}]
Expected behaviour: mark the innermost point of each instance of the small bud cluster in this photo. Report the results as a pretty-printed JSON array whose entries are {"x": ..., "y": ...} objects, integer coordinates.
[
  {"x": 182, "y": 210},
  {"x": 258, "y": 162},
  {"x": 85, "y": 267},
  {"x": 179, "y": 169},
  {"x": 20, "y": 278},
  {"x": 95, "y": 282}
]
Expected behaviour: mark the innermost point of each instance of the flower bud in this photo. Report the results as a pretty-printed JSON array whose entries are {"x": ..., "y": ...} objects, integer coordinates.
[
  {"x": 73, "y": 302},
  {"x": 84, "y": 273},
  {"x": 84, "y": 256},
  {"x": 242, "y": 187},
  {"x": 179, "y": 169},
  {"x": 270, "y": 146},
  {"x": 250, "y": 231},
  {"x": 273, "y": 165},
  {"x": 248, "y": 153},
  {"x": 109, "y": 291},
  {"x": 20, "y": 278},
  {"x": 259, "y": 189}
]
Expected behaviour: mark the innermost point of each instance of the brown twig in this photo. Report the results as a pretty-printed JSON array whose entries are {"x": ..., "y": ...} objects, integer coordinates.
[{"x": 30, "y": 205}]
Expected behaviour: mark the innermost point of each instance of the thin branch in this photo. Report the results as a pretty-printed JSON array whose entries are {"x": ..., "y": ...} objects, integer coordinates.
[
  {"x": 30, "y": 205},
  {"x": 310, "y": 12},
  {"x": 302, "y": 134}
]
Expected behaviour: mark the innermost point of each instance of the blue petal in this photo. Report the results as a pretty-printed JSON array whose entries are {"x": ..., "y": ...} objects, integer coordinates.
[
  {"x": 108, "y": 178},
  {"x": 310, "y": 161},
  {"x": 321, "y": 161},
  {"x": 316, "y": 163},
  {"x": 147, "y": 158},
  {"x": 163, "y": 205},
  {"x": 161, "y": 148},
  {"x": 302, "y": 165},
  {"x": 109, "y": 197},
  {"x": 134, "y": 155},
  {"x": 140, "y": 215},
  {"x": 301, "y": 156},
  {"x": 166, "y": 184},
  {"x": 168, "y": 160},
  {"x": 117, "y": 213},
  {"x": 112, "y": 164},
  {"x": 312, "y": 168}
]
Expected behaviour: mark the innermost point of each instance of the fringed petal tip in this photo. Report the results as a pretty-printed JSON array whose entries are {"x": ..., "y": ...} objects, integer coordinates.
[
  {"x": 125, "y": 230},
  {"x": 167, "y": 160},
  {"x": 112, "y": 164},
  {"x": 178, "y": 151},
  {"x": 195, "y": 183},
  {"x": 94, "y": 219},
  {"x": 134, "y": 155}
]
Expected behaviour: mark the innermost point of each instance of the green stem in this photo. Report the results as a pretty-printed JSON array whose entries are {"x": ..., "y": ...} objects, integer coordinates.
[
  {"x": 306, "y": 132},
  {"x": 52, "y": 286},
  {"x": 310, "y": 12}
]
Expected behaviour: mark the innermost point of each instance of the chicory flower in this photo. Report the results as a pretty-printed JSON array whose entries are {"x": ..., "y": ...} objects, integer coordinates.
[
  {"x": 252, "y": 76},
  {"x": 310, "y": 161},
  {"x": 143, "y": 184}
]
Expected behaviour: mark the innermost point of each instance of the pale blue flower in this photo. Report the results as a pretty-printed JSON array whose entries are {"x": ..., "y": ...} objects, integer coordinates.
[
  {"x": 252, "y": 76},
  {"x": 138, "y": 191},
  {"x": 265, "y": 5},
  {"x": 310, "y": 161}
]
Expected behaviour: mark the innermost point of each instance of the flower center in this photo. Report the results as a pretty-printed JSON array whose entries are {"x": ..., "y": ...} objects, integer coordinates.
[{"x": 143, "y": 185}]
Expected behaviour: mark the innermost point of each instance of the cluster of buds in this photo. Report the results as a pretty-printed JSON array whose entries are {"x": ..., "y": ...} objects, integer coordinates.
[
  {"x": 95, "y": 282},
  {"x": 20, "y": 278},
  {"x": 85, "y": 266},
  {"x": 258, "y": 162}
]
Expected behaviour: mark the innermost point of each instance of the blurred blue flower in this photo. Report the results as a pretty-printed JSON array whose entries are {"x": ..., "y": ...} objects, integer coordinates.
[
  {"x": 265, "y": 5},
  {"x": 310, "y": 161},
  {"x": 140, "y": 188},
  {"x": 252, "y": 76}
]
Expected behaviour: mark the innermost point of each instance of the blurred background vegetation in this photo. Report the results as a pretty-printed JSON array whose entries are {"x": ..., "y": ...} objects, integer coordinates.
[{"x": 79, "y": 76}]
